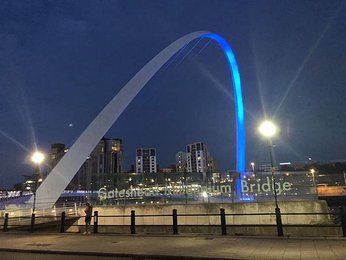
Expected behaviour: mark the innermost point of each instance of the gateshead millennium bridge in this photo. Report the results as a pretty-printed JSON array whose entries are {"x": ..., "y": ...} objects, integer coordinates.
[{"x": 61, "y": 175}]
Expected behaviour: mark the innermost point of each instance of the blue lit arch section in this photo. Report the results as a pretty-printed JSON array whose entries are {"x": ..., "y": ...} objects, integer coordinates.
[
  {"x": 61, "y": 175},
  {"x": 239, "y": 106}
]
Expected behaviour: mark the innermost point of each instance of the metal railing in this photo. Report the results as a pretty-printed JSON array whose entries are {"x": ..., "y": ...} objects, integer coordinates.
[
  {"x": 19, "y": 218},
  {"x": 334, "y": 220},
  {"x": 70, "y": 208}
]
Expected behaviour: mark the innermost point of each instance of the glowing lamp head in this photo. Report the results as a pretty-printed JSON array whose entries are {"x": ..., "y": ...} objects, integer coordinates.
[
  {"x": 37, "y": 157},
  {"x": 267, "y": 129}
]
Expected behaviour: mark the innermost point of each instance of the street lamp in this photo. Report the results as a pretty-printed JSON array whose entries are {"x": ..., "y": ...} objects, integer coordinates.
[
  {"x": 254, "y": 176},
  {"x": 252, "y": 167},
  {"x": 37, "y": 158},
  {"x": 205, "y": 195},
  {"x": 268, "y": 130},
  {"x": 314, "y": 180}
]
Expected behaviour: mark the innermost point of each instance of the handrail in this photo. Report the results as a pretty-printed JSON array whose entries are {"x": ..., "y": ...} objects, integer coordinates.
[
  {"x": 216, "y": 214},
  {"x": 11, "y": 222}
]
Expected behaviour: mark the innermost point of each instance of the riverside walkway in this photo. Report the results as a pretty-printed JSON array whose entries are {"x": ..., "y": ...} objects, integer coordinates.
[{"x": 97, "y": 246}]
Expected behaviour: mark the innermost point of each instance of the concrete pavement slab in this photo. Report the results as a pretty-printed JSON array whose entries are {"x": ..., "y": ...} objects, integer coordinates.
[{"x": 175, "y": 247}]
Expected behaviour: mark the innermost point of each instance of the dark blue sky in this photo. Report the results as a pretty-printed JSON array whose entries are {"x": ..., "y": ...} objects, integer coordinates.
[{"x": 61, "y": 62}]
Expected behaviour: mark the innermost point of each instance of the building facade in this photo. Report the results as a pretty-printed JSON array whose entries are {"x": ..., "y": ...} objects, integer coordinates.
[
  {"x": 180, "y": 161},
  {"x": 212, "y": 164},
  {"x": 57, "y": 151},
  {"x": 197, "y": 157},
  {"x": 146, "y": 161},
  {"x": 100, "y": 167}
]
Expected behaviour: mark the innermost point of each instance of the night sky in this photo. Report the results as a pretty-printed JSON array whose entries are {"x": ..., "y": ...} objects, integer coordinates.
[{"x": 61, "y": 62}]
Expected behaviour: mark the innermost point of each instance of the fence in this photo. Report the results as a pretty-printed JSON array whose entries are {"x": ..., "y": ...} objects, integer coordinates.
[
  {"x": 63, "y": 221},
  {"x": 26, "y": 219},
  {"x": 22, "y": 212}
]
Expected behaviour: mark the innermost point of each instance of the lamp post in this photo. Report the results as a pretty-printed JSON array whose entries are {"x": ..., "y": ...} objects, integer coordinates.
[
  {"x": 314, "y": 181},
  {"x": 268, "y": 130},
  {"x": 252, "y": 167},
  {"x": 205, "y": 195},
  {"x": 254, "y": 176},
  {"x": 37, "y": 158},
  {"x": 36, "y": 182}
]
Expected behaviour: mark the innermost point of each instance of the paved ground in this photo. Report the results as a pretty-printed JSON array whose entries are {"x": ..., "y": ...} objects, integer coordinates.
[
  {"x": 37, "y": 256},
  {"x": 15, "y": 246}
]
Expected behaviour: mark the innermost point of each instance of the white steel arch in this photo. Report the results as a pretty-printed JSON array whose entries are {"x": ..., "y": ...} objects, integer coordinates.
[{"x": 61, "y": 175}]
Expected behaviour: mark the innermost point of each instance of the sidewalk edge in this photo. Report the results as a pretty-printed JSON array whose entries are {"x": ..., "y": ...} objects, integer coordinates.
[{"x": 109, "y": 254}]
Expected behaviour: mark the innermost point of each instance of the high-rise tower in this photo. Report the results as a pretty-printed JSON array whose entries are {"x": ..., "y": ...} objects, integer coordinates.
[
  {"x": 197, "y": 157},
  {"x": 57, "y": 151},
  {"x": 180, "y": 161},
  {"x": 146, "y": 160},
  {"x": 101, "y": 166}
]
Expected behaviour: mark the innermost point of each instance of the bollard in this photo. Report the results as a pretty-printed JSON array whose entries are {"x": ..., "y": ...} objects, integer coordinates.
[
  {"x": 62, "y": 222},
  {"x": 96, "y": 221},
  {"x": 343, "y": 220},
  {"x": 32, "y": 226},
  {"x": 223, "y": 222},
  {"x": 6, "y": 222},
  {"x": 279, "y": 222},
  {"x": 175, "y": 222},
  {"x": 133, "y": 222}
]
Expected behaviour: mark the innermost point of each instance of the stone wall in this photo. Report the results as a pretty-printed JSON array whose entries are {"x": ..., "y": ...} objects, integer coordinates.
[
  {"x": 236, "y": 208},
  {"x": 211, "y": 224}
]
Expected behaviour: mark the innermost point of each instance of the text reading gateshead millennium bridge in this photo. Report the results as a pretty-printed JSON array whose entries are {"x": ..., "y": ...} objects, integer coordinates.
[
  {"x": 246, "y": 188},
  {"x": 133, "y": 188}
]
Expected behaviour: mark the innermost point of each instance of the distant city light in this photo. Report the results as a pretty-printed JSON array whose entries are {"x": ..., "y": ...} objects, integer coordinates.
[{"x": 285, "y": 163}]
